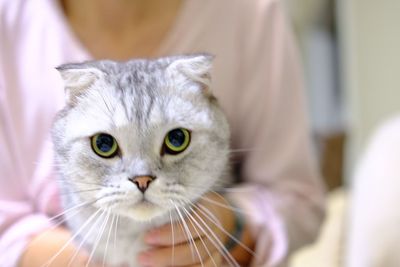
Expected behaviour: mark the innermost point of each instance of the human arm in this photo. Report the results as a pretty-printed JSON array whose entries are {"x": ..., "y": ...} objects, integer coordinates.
[
  {"x": 50, "y": 248},
  {"x": 28, "y": 195},
  {"x": 282, "y": 190},
  {"x": 25, "y": 204}
]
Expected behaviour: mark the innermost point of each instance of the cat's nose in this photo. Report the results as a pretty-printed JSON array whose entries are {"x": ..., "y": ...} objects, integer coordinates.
[{"x": 142, "y": 182}]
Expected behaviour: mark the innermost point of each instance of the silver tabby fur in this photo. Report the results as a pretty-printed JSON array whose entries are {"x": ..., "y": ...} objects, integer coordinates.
[{"x": 137, "y": 102}]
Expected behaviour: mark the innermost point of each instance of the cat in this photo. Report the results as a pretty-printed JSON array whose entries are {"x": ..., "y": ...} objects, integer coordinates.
[{"x": 136, "y": 142}]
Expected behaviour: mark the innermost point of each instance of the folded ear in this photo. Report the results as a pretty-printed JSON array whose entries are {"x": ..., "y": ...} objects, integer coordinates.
[
  {"x": 195, "y": 67},
  {"x": 77, "y": 78}
]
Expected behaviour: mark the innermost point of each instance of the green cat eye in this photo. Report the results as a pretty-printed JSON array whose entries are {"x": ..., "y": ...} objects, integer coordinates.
[
  {"x": 176, "y": 141},
  {"x": 104, "y": 145}
]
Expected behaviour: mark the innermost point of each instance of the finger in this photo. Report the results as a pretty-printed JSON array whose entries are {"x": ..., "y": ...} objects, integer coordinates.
[
  {"x": 184, "y": 254},
  {"x": 214, "y": 261},
  {"x": 173, "y": 234}
]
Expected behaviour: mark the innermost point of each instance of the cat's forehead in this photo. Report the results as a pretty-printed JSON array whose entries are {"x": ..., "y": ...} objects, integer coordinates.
[
  {"x": 138, "y": 77},
  {"x": 141, "y": 95},
  {"x": 110, "y": 107}
]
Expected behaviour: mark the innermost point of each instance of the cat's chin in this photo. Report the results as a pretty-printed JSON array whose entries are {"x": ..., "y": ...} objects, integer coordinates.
[{"x": 143, "y": 211}]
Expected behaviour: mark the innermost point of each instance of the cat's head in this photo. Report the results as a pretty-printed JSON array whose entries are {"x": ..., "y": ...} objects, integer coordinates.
[{"x": 140, "y": 137}]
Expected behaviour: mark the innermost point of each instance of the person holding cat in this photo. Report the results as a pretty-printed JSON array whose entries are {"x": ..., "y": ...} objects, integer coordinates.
[{"x": 255, "y": 77}]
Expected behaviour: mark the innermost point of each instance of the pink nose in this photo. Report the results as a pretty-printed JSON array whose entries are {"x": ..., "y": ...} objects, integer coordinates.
[{"x": 142, "y": 182}]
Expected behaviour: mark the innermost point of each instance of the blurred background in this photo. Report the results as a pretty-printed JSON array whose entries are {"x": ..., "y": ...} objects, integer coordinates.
[{"x": 351, "y": 57}]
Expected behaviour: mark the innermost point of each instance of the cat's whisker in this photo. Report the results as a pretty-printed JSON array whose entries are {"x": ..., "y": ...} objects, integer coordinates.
[
  {"x": 218, "y": 194},
  {"x": 214, "y": 240},
  {"x": 205, "y": 212},
  {"x": 108, "y": 239},
  {"x": 224, "y": 252},
  {"x": 210, "y": 214},
  {"x": 193, "y": 222},
  {"x": 173, "y": 239},
  {"x": 223, "y": 205},
  {"x": 202, "y": 189},
  {"x": 80, "y": 191},
  {"x": 97, "y": 241},
  {"x": 78, "y": 206},
  {"x": 193, "y": 242},
  {"x": 189, "y": 234},
  {"x": 69, "y": 213},
  {"x": 184, "y": 232},
  {"x": 78, "y": 249},
  {"x": 71, "y": 239},
  {"x": 179, "y": 220},
  {"x": 115, "y": 232}
]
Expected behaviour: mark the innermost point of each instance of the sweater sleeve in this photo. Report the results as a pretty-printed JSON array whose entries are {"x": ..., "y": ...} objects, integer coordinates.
[
  {"x": 27, "y": 193},
  {"x": 282, "y": 191},
  {"x": 25, "y": 200}
]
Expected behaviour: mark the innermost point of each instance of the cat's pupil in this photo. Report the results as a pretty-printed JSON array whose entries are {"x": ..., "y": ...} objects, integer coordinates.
[
  {"x": 104, "y": 142},
  {"x": 176, "y": 137}
]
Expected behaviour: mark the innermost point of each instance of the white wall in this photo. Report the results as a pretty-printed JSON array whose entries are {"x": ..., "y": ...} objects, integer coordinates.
[{"x": 370, "y": 42}]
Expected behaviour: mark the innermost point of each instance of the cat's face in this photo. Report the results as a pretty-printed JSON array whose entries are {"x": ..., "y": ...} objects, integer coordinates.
[{"x": 140, "y": 138}]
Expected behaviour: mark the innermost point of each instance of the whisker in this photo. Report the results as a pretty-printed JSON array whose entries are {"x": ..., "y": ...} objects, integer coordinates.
[
  {"x": 108, "y": 239},
  {"x": 71, "y": 239},
  {"x": 186, "y": 235},
  {"x": 203, "y": 209},
  {"x": 83, "y": 204},
  {"x": 97, "y": 241},
  {"x": 191, "y": 220},
  {"x": 85, "y": 237},
  {"x": 115, "y": 232},
  {"x": 211, "y": 216},
  {"x": 79, "y": 191},
  {"x": 69, "y": 213},
  {"x": 223, "y": 205},
  {"x": 215, "y": 241},
  {"x": 173, "y": 239},
  {"x": 189, "y": 235},
  {"x": 193, "y": 241}
]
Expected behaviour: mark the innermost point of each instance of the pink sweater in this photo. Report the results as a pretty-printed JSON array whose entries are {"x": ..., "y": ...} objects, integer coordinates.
[{"x": 256, "y": 77}]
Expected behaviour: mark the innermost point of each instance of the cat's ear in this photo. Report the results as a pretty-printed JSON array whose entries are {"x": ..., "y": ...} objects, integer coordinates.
[
  {"x": 196, "y": 68},
  {"x": 77, "y": 79}
]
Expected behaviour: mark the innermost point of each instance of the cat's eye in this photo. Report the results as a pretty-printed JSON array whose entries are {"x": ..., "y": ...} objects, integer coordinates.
[
  {"x": 104, "y": 145},
  {"x": 176, "y": 141}
]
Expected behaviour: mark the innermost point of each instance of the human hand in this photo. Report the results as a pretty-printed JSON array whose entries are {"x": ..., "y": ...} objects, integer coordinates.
[
  {"x": 48, "y": 249},
  {"x": 198, "y": 240}
]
